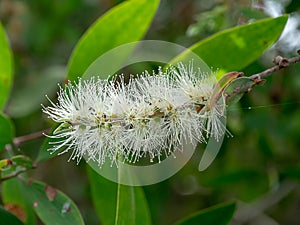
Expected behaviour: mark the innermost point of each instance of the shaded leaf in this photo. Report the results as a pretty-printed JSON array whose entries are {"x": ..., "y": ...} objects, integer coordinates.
[
  {"x": 8, "y": 218},
  {"x": 6, "y": 73},
  {"x": 53, "y": 211},
  {"x": 291, "y": 172},
  {"x": 113, "y": 201},
  {"x": 28, "y": 98},
  {"x": 14, "y": 196},
  {"x": 118, "y": 26},
  {"x": 293, "y": 6},
  {"x": 218, "y": 214},
  {"x": 104, "y": 195},
  {"x": 6, "y": 131}
]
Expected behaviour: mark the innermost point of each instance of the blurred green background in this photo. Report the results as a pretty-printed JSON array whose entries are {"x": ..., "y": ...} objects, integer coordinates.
[{"x": 259, "y": 167}]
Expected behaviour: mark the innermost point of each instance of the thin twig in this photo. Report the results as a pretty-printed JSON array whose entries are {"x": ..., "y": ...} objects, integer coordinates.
[
  {"x": 15, "y": 174},
  {"x": 19, "y": 140},
  {"x": 280, "y": 64},
  {"x": 18, "y": 172},
  {"x": 245, "y": 213}
]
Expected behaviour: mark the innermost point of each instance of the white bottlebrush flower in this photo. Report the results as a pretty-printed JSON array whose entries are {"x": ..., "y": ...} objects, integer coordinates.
[{"x": 151, "y": 115}]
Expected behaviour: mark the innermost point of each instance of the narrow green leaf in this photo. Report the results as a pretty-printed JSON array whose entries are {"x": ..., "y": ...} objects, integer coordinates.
[
  {"x": 125, "y": 23},
  {"x": 234, "y": 49},
  {"x": 133, "y": 198},
  {"x": 219, "y": 214},
  {"x": 5, "y": 68},
  {"x": 14, "y": 195},
  {"x": 118, "y": 204},
  {"x": 8, "y": 218},
  {"x": 52, "y": 206},
  {"x": 6, "y": 130},
  {"x": 104, "y": 195}
]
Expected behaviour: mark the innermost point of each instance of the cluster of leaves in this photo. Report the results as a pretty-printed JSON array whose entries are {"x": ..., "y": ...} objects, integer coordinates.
[{"x": 115, "y": 203}]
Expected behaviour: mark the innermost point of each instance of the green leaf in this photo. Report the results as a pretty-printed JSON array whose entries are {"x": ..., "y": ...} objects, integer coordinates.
[
  {"x": 234, "y": 49},
  {"x": 219, "y": 214},
  {"x": 52, "y": 206},
  {"x": 6, "y": 73},
  {"x": 9, "y": 218},
  {"x": 6, "y": 130},
  {"x": 104, "y": 195},
  {"x": 118, "y": 204},
  {"x": 14, "y": 195},
  {"x": 125, "y": 23}
]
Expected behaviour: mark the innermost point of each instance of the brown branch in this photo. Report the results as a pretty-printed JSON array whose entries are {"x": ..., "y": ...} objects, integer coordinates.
[
  {"x": 280, "y": 64},
  {"x": 19, "y": 140},
  {"x": 18, "y": 172},
  {"x": 15, "y": 174}
]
